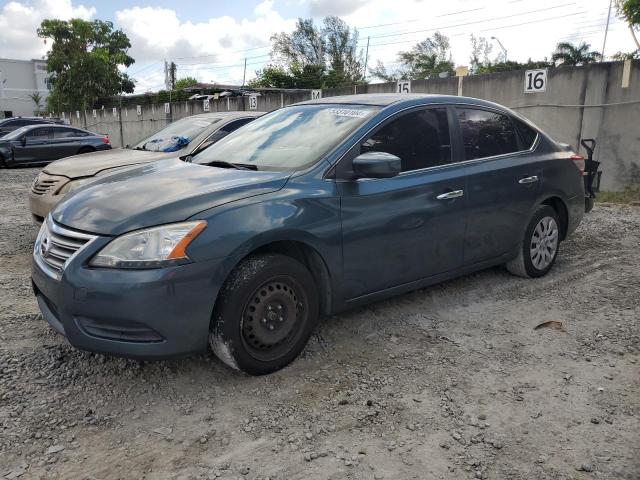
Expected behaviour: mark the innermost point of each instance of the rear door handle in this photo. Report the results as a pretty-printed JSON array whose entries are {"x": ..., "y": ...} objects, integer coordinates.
[
  {"x": 531, "y": 179},
  {"x": 450, "y": 195}
]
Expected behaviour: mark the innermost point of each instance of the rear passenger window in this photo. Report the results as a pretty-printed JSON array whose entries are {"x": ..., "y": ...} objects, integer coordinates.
[
  {"x": 486, "y": 134},
  {"x": 527, "y": 134},
  {"x": 231, "y": 126},
  {"x": 65, "y": 133},
  {"x": 420, "y": 139}
]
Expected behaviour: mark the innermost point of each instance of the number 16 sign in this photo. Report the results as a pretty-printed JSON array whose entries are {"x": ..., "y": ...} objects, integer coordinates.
[{"x": 535, "y": 81}]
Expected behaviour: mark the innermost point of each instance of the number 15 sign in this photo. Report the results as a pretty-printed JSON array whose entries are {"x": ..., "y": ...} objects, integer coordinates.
[{"x": 535, "y": 81}]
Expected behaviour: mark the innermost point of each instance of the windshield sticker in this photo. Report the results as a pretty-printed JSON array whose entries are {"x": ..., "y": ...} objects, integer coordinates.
[{"x": 349, "y": 112}]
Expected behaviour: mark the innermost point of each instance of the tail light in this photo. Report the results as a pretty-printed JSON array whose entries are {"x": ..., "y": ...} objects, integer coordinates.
[
  {"x": 106, "y": 140},
  {"x": 578, "y": 161}
]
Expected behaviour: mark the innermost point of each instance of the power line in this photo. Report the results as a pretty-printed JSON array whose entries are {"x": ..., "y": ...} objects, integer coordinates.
[
  {"x": 472, "y": 22},
  {"x": 412, "y": 21},
  {"x": 490, "y": 29},
  {"x": 217, "y": 67},
  {"x": 215, "y": 63}
]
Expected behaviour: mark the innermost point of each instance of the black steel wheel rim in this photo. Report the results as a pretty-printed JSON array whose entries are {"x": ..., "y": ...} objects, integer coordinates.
[{"x": 273, "y": 318}]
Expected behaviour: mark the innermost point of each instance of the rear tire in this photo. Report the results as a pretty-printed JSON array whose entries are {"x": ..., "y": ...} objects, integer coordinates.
[
  {"x": 86, "y": 150},
  {"x": 264, "y": 315},
  {"x": 540, "y": 245}
]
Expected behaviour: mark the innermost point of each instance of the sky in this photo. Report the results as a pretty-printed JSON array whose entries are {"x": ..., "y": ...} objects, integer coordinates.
[{"x": 210, "y": 40}]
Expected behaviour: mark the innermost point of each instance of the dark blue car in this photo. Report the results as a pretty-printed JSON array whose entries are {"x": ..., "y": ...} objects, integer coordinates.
[{"x": 308, "y": 210}]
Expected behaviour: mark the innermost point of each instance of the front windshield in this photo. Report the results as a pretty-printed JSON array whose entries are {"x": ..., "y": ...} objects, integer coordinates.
[
  {"x": 288, "y": 139},
  {"x": 176, "y": 135},
  {"x": 16, "y": 133}
]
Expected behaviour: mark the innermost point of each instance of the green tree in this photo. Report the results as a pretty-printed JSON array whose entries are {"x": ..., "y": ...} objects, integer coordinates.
[
  {"x": 274, "y": 77},
  {"x": 428, "y": 58},
  {"x": 630, "y": 11},
  {"x": 569, "y": 54},
  {"x": 84, "y": 62},
  {"x": 313, "y": 57},
  {"x": 480, "y": 50},
  {"x": 37, "y": 99},
  {"x": 185, "y": 82},
  {"x": 510, "y": 65}
]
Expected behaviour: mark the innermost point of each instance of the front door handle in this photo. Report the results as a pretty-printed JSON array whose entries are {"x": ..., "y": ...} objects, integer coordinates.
[
  {"x": 450, "y": 195},
  {"x": 531, "y": 179}
]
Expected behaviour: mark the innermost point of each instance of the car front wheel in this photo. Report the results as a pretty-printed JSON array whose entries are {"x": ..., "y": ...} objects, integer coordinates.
[
  {"x": 540, "y": 245},
  {"x": 265, "y": 314}
]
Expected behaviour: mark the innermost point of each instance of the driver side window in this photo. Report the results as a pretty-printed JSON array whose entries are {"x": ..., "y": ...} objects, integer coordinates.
[{"x": 420, "y": 139}]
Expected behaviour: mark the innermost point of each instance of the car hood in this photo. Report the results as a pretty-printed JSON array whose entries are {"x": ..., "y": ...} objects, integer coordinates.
[
  {"x": 90, "y": 164},
  {"x": 161, "y": 192}
]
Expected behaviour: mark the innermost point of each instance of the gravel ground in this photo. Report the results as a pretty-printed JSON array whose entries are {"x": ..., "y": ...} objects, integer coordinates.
[{"x": 450, "y": 382}]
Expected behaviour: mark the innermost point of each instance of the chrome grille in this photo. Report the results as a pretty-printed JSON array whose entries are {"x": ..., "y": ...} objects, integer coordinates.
[
  {"x": 47, "y": 183},
  {"x": 56, "y": 245}
]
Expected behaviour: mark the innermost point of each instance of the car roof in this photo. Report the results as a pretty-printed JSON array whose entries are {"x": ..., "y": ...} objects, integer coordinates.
[
  {"x": 228, "y": 115},
  {"x": 40, "y": 119},
  {"x": 386, "y": 99},
  {"x": 55, "y": 125}
]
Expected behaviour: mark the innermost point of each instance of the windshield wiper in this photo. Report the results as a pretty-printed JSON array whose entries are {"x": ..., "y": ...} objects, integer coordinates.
[{"x": 237, "y": 166}]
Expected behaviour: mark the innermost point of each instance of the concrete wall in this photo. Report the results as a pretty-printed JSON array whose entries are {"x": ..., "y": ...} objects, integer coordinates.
[{"x": 579, "y": 102}]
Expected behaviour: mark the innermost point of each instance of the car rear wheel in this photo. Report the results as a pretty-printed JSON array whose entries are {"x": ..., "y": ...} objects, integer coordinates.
[
  {"x": 86, "y": 150},
  {"x": 540, "y": 245},
  {"x": 265, "y": 314}
]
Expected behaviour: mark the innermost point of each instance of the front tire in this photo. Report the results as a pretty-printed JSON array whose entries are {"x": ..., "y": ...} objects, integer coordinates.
[
  {"x": 540, "y": 245},
  {"x": 265, "y": 314}
]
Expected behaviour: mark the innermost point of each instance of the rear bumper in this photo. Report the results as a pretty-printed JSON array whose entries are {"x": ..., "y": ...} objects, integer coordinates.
[
  {"x": 575, "y": 213},
  {"x": 143, "y": 314}
]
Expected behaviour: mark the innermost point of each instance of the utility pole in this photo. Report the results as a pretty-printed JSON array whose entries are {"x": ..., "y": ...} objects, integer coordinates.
[
  {"x": 606, "y": 31},
  {"x": 172, "y": 74},
  {"x": 366, "y": 59},
  {"x": 122, "y": 144},
  {"x": 244, "y": 75}
]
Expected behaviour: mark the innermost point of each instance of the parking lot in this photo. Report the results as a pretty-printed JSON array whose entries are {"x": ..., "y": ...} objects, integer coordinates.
[{"x": 454, "y": 381}]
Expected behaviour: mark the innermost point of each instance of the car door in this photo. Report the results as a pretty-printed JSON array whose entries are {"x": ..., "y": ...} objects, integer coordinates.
[
  {"x": 35, "y": 146},
  {"x": 401, "y": 229},
  {"x": 502, "y": 182},
  {"x": 65, "y": 142}
]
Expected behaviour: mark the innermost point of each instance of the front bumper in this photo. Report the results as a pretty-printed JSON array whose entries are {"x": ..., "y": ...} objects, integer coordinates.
[
  {"x": 42, "y": 195},
  {"x": 144, "y": 314}
]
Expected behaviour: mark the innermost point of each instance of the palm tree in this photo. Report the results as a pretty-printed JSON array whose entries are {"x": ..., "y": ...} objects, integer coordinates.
[
  {"x": 630, "y": 11},
  {"x": 37, "y": 99},
  {"x": 569, "y": 54}
]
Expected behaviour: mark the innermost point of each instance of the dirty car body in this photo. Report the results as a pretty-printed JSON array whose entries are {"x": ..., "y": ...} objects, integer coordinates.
[{"x": 371, "y": 195}]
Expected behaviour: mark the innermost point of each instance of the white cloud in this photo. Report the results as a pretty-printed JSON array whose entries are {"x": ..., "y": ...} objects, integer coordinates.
[
  {"x": 19, "y": 21},
  {"x": 323, "y": 8},
  {"x": 212, "y": 50}
]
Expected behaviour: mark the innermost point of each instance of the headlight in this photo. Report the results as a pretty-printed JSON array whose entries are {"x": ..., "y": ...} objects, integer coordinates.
[
  {"x": 150, "y": 248},
  {"x": 72, "y": 185}
]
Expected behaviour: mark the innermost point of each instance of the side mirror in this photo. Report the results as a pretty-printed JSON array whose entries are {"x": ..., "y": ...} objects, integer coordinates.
[
  {"x": 187, "y": 158},
  {"x": 23, "y": 140},
  {"x": 376, "y": 165}
]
